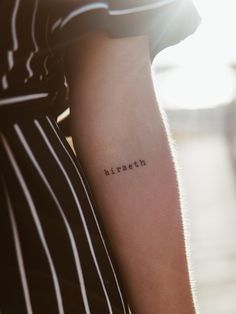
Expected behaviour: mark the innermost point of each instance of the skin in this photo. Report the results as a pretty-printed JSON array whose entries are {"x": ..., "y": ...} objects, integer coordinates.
[{"x": 116, "y": 119}]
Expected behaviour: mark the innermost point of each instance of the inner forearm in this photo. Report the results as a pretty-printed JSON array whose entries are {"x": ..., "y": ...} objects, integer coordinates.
[
  {"x": 124, "y": 150},
  {"x": 134, "y": 184}
]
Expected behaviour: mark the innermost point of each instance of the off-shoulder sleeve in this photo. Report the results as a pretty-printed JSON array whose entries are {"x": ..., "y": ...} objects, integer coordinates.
[{"x": 166, "y": 22}]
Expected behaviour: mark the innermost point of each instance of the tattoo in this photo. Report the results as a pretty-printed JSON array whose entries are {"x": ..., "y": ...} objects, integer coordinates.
[{"x": 131, "y": 166}]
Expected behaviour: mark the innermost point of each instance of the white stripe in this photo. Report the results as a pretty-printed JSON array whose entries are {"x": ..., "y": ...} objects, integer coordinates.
[
  {"x": 13, "y": 25},
  {"x": 4, "y": 82},
  {"x": 142, "y": 8},
  {"x": 17, "y": 99},
  {"x": 10, "y": 60},
  {"x": 10, "y": 55},
  {"x": 79, "y": 209},
  {"x": 63, "y": 115},
  {"x": 28, "y": 67},
  {"x": 36, "y": 220},
  {"x": 45, "y": 65},
  {"x": 36, "y": 48},
  {"x": 55, "y": 25},
  {"x": 102, "y": 5},
  {"x": 33, "y": 26},
  {"x": 19, "y": 255},
  {"x": 91, "y": 206},
  {"x": 13, "y": 31},
  {"x": 85, "y": 8},
  {"x": 72, "y": 240}
]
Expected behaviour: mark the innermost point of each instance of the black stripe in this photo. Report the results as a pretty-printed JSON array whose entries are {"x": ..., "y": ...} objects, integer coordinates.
[{"x": 11, "y": 292}]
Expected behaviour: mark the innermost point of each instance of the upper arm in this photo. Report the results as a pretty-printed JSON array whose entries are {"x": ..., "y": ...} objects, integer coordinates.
[
  {"x": 96, "y": 55},
  {"x": 114, "y": 42},
  {"x": 110, "y": 84}
]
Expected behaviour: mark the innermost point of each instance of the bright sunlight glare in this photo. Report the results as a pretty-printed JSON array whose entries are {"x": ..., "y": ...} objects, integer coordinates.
[{"x": 200, "y": 71}]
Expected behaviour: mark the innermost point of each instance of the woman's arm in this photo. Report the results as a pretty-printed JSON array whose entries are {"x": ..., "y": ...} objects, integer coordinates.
[{"x": 123, "y": 146}]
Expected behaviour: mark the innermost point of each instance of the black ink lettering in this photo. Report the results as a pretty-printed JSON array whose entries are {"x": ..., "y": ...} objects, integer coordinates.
[
  {"x": 131, "y": 166},
  {"x": 106, "y": 172},
  {"x": 142, "y": 162}
]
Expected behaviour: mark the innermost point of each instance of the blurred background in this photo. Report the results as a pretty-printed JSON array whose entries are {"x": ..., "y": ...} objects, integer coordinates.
[{"x": 196, "y": 85}]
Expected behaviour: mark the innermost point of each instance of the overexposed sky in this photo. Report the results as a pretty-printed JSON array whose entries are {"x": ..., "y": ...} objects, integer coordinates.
[
  {"x": 202, "y": 77},
  {"x": 215, "y": 39}
]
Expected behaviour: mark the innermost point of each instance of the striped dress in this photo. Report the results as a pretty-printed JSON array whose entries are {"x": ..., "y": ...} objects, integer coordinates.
[{"x": 54, "y": 254}]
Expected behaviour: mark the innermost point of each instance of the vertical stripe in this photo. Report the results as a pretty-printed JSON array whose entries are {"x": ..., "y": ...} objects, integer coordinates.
[
  {"x": 10, "y": 60},
  {"x": 45, "y": 65},
  {"x": 36, "y": 220},
  {"x": 28, "y": 67},
  {"x": 41, "y": 131},
  {"x": 36, "y": 48},
  {"x": 4, "y": 82},
  {"x": 10, "y": 55},
  {"x": 72, "y": 240},
  {"x": 13, "y": 25},
  {"x": 14, "y": 38},
  {"x": 92, "y": 209},
  {"x": 19, "y": 254}
]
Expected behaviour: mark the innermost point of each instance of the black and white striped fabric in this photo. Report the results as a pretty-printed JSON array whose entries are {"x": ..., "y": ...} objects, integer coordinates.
[{"x": 55, "y": 256}]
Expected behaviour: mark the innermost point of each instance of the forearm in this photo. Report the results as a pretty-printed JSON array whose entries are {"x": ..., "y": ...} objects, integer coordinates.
[{"x": 124, "y": 150}]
